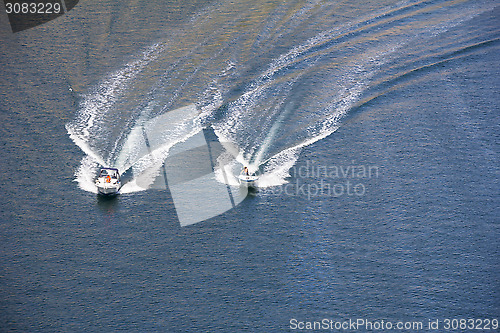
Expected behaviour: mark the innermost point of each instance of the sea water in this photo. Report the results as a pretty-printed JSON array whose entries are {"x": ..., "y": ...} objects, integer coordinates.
[{"x": 374, "y": 127}]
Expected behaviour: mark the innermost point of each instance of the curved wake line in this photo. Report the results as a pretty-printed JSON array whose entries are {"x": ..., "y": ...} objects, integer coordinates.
[
  {"x": 359, "y": 79},
  {"x": 99, "y": 119},
  {"x": 84, "y": 146},
  {"x": 95, "y": 106}
]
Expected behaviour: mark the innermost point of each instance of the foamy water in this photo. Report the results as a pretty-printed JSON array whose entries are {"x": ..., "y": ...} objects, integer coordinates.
[{"x": 265, "y": 121}]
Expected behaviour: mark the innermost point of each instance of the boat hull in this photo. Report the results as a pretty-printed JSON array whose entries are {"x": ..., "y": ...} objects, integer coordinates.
[
  {"x": 247, "y": 181},
  {"x": 107, "y": 190}
]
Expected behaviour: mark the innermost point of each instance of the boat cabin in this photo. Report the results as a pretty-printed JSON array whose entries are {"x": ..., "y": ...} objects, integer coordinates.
[{"x": 112, "y": 172}]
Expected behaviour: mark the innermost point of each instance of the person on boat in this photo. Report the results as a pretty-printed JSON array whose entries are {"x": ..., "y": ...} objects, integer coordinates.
[
  {"x": 245, "y": 171},
  {"x": 108, "y": 179}
]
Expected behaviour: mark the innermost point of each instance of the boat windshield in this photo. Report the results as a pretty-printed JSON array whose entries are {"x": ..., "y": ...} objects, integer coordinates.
[{"x": 111, "y": 173}]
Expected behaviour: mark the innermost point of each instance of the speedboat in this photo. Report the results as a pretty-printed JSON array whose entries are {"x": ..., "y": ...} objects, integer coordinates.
[
  {"x": 108, "y": 182},
  {"x": 247, "y": 179}
]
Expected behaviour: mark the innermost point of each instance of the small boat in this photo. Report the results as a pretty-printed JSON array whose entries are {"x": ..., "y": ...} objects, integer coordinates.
[
  {"x": 247, "y": 179},
  {"x": 108, "y": 182}
]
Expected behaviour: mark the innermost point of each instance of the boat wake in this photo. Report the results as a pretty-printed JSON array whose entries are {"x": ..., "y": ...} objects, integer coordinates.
[{"x": 267, "y": 92}]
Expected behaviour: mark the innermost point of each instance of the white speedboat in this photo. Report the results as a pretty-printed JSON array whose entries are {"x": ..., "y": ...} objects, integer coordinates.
[
  {"x": 247, "y": 179},
  {"x": 108, "y": 181}
]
